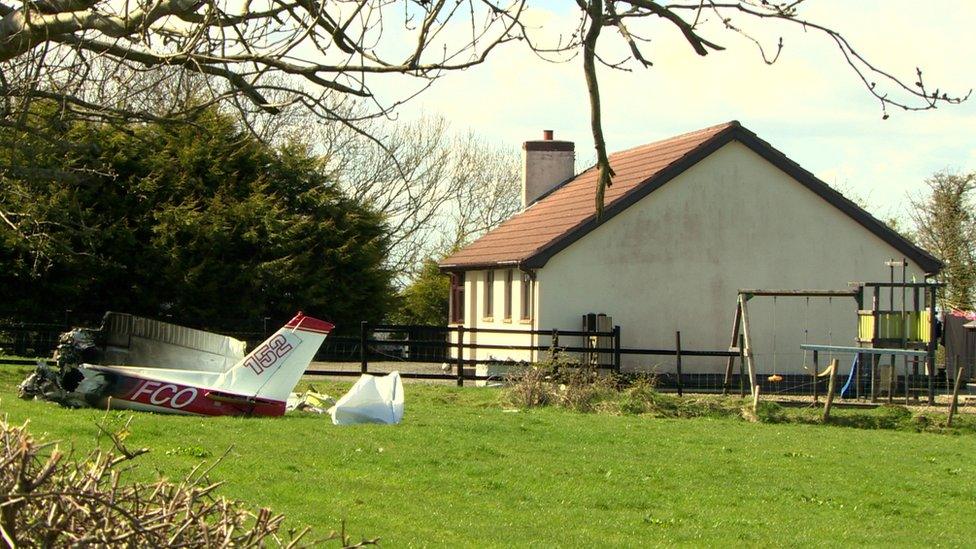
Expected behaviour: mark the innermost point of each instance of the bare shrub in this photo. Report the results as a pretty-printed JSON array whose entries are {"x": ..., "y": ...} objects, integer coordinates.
[
  {"x": 559, "y": 380},
  {"x": 583, "y": 389},
  {"x": 49, "y": 499},
  {"x": 530, "y": 387}
]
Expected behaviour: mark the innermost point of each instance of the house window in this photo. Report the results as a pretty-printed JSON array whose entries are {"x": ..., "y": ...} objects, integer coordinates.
[
  {"x": 489, "y": 294},
  {"x": 508, "y": 294},
  {"x": 526, "y": 296},
  {"x": 457, "y": 297}
]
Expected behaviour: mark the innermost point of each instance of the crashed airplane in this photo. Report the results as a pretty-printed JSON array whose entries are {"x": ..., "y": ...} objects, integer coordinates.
[{"x": 138, "y": 363}]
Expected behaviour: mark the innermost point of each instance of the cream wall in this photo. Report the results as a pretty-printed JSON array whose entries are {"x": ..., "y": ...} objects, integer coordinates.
[
  {"x": 675, "y": 260},
  {"x": 474, "y": 317}
]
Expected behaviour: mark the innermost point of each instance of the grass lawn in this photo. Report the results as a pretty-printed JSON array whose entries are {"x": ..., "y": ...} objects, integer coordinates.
[{"x": 461, "y": 471}]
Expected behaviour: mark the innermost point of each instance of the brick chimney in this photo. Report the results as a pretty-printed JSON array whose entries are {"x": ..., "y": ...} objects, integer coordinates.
[{"x": 545, "y": 164}]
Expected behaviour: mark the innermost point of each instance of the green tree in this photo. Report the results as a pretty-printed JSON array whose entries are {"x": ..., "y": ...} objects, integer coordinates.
[
  {"x": 200, "y": 222},
  {"x": 425, "y": 299},
  {"x": 945, "y": 225}
]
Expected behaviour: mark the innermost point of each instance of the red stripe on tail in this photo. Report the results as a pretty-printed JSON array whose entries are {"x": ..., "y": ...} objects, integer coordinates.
[{"x": 307, "y": 323}]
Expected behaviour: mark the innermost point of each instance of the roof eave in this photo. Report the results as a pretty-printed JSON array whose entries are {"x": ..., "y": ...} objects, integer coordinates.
[{"x": 458, "y": 267}]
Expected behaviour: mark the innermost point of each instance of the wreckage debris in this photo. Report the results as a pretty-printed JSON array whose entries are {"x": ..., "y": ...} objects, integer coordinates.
[
  {"x": 310, "y": 401},
  {"x": 138, "y": 363},
  {"x": 371, "y": 400}
]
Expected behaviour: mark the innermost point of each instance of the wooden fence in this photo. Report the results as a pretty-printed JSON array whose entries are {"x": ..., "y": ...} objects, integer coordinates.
[
  {"x": 443, "y": 340},
  {"x": 452, "y": 338}
]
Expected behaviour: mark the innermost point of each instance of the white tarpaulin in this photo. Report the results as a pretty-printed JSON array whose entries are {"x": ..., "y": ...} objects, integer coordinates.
[{"x": 371, "y": 400}]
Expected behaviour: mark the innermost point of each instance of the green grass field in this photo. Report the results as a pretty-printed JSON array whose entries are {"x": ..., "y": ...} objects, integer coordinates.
[{"x": 462, "y": 471}]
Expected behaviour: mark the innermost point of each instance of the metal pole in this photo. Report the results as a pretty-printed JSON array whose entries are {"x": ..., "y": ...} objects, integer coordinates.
[
  {"x": 904, "y": 334},
  {"x": 363, "y": 329},
  {"x": 875, "y": 306},
  {"x": 856, "y": 370},
  {"x": 677, "y": 357},
  {"x": 891, "y": 289},
  {"x": 616, "y": 349},
  {"x": 906, "y": 380},
  {"x": 917, "y": 308},
  {"x": 892, "y": 375},
  {"x": 932, "y": 344},
  {"x": 875, "y": 382}
]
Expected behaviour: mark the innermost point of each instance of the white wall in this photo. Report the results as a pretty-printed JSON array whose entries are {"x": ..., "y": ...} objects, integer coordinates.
[{"x": 676, "y": 259}]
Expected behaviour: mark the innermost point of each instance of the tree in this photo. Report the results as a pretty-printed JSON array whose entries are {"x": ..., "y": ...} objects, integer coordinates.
[
  {"x": 944, "y": 224},
  {"x": 85, "y": 54},
  {"x": 438, "y": 188},
  {"x": 488, "y": 191},
  {"x": 425, "y": 299},
  {"x": 210, "y": 227},
  {"x": 322, "y": 55}
]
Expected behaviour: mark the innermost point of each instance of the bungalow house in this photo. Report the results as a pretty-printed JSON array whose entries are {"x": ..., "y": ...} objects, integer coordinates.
[{"x": 688, "y": 222}]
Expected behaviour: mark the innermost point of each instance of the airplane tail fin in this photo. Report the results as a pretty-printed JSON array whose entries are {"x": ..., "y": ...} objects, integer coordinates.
[{"x": 273, "y": 368}]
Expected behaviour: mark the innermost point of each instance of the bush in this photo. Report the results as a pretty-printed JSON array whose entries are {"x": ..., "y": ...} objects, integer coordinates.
[
  {"x": 893, "y": 417},
  {"x": 769, "y": 412},
  {"x": 530, "y": 387},
  {"x": 584, "y": 389},
  {"x": 562, "y": 381},
  {"x": 640, "y": 397},
  {"x": 48, "y": 499}
]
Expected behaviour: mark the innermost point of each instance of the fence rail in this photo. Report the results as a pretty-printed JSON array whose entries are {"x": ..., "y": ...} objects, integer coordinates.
[{"x": 453, "y": 350}]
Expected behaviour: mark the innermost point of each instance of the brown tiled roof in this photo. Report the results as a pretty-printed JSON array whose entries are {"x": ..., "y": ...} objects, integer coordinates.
[{"x": 566, "y": 213}]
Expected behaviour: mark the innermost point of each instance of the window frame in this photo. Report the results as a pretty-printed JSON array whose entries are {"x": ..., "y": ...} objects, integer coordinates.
[
  {"x": 457, "y": 298},
  {"x": 509, "y": 279},
  {"x": 527, "y": 297},
  {"x": 488, "y": 294}
]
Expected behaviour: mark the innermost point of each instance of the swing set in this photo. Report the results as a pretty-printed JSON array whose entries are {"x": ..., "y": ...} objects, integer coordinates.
[
  {"x": 881, "y": 332},
  {"x": 741, "y": 333}
]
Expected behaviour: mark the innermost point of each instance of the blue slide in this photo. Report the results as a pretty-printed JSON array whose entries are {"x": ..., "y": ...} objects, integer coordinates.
[{"x": 850, "y": 378}]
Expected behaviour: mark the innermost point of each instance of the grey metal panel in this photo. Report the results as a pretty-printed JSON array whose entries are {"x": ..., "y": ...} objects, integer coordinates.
[{"x": 139, "y": 341}]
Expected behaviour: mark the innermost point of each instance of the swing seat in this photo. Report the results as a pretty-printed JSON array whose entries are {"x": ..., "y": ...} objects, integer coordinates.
[{"x": 775, "y": 378}]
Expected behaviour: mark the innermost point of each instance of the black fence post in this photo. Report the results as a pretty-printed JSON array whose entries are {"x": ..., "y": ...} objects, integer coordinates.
[
  {"x": 616, "y": 349},
  {"x": 363, "y": 330},
  {"x": 460, "y": 357},
  {"x": 677, "y": 358},
  {"x": 554, "y": 344}
]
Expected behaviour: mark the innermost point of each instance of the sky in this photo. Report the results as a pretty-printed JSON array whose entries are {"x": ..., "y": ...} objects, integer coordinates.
[{"x": 809, "y": 104}]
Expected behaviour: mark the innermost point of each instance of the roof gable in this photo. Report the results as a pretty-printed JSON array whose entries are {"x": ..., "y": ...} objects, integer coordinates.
[{"x": 567, "y": 213}]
